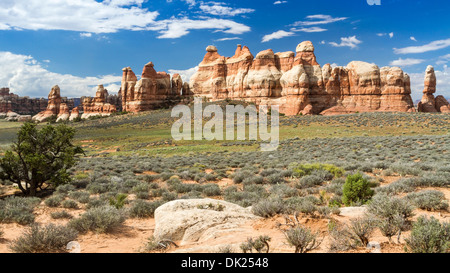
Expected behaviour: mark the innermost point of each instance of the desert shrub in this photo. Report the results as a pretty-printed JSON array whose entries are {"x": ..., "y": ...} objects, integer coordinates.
[
  {"x": 356, "y": 189},
  {"x": 64, "y": 190},
  {"x": 283, "y": 191},
  {"x": 260, "y": 245},
  {"x": 152, "y": 177},
  {"x": 307, "y": 169},
  {"x": 118, "y": 201},
  {"x": 211, "y": 190},
  {"x": 323, "y": 174},
  {"x": 393, "y": 214},
  {"x": 239, "y": 176},
  {"x": 428, "y": 235},
  {"x": 403, "y": 185},
  {"x": 168, "y": 196},
  {"x": 142, "y": 195},
  {"x": 153, "y": 244},
  {"x": 210, "y": 177},
  {"x": 47, "y": 239},
  {"x": 309, "y": 181},
  {"x": 428, "y": 200},
  {"x": 242, "y": 198},
  {"x": 80, "y": 196},
  {"x": 405, "y": 169},
  {"x": 166, "y": 176},
  {"x": 341, "y": 237},
  {"x": 98, "y": 219},
  {"x": 363, "y": 228},
  {"x": 143, "y": 209},
  {"x": 95, "y": 203},
  {"x": 18, "y": 210},
  {"x": 254, "y": 179},
  {"x": 69, "y": 204},
  {"x": 303, "y": 239},
  {"x": 61, "y": 215},
  {"x": 226, "y": 249},
  {"x": 141, "y": 187},
  {"x": 384, "y": 206},
  {"x": 54, "y": 201},
  {"x": 268, "y": 208},
  {"x": 99, "y": 187},
  {"x": 268, "y": 172},
  {"x": 286, "y": 173},
  {"x": 275, "y": 178}
]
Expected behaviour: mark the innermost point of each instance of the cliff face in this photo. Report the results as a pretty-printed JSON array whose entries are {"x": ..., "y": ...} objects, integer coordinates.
[
  {"x": 154, "y": 89},
  {"x": 20, "y": 105},
  {"x": 297, "y": 83}
]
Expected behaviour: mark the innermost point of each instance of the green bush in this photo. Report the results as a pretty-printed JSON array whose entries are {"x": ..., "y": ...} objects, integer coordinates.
[
  {"x": 48, "y": 239},
  {"x": 307, "y": 169},
  {"x": 99, "y": 219},
  {"x": 428, "y": 235},
  {"x": 356, "y": 189},
  {"x": 118, "y": 201}
]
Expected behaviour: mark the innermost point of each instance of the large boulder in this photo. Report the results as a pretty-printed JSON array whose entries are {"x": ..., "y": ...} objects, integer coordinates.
[{"x": 198, "y": 220}]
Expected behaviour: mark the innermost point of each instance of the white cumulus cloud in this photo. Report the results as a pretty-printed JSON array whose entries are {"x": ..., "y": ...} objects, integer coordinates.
[
  {"x": 319, "y": 19},
  {"x": 435, "y": 45},
  {"x": 351, "y": 42},
  {"x": 406, "y": 62},
  {"x": 277, "y": 35},
  {"x": 220, "y": 9},
  {"x": 27, "y": 77}
]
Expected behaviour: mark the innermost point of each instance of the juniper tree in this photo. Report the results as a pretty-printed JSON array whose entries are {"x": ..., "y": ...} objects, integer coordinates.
[{"x": 40, "y": 157}]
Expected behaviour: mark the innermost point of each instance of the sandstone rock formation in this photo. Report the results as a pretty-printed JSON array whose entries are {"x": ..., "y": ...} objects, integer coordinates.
[
  {"x": 57, "y": 106},
  {"x": 154, "y": 89},
  {"x": 63, "y": 113},
  {"x": 198, "y": 220},
  {"x": 98, "y": 106},
  {"x": 429, "y": 103},
  {"x": 20, "y": 105},
  {"x": 53, "y": 107},
  {"x": 74, "y": 114},
  {"x": 299, "y": 84}
]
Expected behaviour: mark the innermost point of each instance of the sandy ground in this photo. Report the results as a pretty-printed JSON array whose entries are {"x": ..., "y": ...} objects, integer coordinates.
[{"x": 134, "y": 233}]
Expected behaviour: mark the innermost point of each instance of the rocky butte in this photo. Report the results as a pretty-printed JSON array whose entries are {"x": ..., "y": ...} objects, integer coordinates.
[
  {"x": 297, "y": 83},
  {"x": 154, "y": 90},
  {"x": 10, "y": 102}
]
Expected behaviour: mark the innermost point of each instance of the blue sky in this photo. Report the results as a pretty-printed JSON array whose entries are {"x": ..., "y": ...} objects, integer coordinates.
[{"x": 77, "y": 46}]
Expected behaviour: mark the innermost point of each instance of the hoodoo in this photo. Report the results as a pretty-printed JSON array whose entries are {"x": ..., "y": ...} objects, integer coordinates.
[{"x": 299, "y": 85}]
